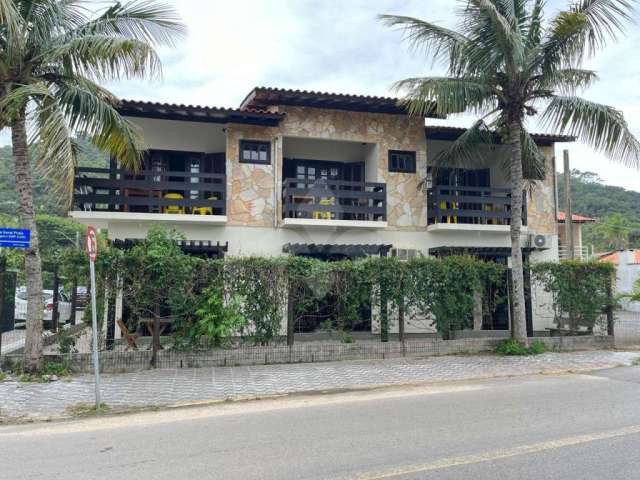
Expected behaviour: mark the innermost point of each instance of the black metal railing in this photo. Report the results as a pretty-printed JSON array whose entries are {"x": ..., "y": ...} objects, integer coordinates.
[
  {"x": 334, "y": 200},
  {"x": 471, "y": 205},
  {"x": 150, "y": 191}
]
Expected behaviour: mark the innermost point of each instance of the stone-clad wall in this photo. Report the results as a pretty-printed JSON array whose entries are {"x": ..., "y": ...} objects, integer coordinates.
[
  {"x": 250, "y": 187},
  {"x": 406, "y": 202},
  {"x": 541, "y": 211}
]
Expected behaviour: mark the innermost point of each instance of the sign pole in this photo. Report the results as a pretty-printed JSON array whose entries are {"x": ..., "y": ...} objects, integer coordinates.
[{"x": 92, "y": 250}]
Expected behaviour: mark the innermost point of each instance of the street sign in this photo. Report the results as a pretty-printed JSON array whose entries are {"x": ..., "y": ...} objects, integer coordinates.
[
  {"x": 92, "y": 251},
  {"x": 15, "y": 238},
  {"x": 92, "y": 244}
]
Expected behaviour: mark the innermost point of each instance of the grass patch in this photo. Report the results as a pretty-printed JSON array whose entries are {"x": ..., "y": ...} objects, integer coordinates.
[
  {"x": 51, "y": 371},
  {"x": 3, "y": 377},
  {"x": 636, "y": 362},
  {"x": 514, "y": 348},
  {"x": 86, "y": 409}
]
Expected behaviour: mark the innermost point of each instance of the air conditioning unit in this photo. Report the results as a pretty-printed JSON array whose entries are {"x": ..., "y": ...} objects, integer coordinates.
[
  {"x": 405, "y": 253},
  {"x": 540, "y": 242}
]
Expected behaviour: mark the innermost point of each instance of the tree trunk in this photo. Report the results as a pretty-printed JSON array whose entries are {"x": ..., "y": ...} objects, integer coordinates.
[
  {"x": 33, "y": 267},
  {"x": 519, "y": 321}
]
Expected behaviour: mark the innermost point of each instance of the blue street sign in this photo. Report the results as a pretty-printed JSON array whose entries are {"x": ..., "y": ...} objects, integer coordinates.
[{"x": 15, "y": 238}]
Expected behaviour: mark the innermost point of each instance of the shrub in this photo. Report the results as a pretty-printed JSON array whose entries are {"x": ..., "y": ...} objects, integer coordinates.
[
  {"x": 216, "y": 320},
  {"x": 347, "y": 338},
  {"x": 515, "y": 348},
  {"x": 55, "y": 368}
]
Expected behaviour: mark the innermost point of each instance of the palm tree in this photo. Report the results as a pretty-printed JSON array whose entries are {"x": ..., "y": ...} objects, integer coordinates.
[
  {"x": 506, "y": 63},
  {"x": 615, "y": 231},
  {"x": 53, "y": 53}
]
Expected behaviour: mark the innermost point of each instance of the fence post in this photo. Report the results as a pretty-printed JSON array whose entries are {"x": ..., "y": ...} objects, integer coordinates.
[
  {"x": 384, "y": 312},
  {"x": 291, "y": 305},
  {"x": 610, "y": 319}
]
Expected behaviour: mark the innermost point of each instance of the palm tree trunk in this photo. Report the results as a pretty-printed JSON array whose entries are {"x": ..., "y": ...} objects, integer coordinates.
[
  {"x": 33, "y": 268},
  {"x": 519, "y": 321}
]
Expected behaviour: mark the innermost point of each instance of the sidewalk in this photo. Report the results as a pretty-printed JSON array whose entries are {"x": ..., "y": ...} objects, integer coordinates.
[{"x": 183, "y": 386}]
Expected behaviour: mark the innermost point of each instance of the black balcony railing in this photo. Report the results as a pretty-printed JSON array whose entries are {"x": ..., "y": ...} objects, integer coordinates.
[
  {"x": 471, "y": 205},
  {"x": 150, "y": 191},
  {"x": 334, "y": 200}
]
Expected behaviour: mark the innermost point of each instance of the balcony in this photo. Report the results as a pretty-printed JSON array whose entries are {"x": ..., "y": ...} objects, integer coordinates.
[
  {"x": 338, "y": 203},
  {"x": 470, "y": 208},
  {"x": 150, "y": 194}
]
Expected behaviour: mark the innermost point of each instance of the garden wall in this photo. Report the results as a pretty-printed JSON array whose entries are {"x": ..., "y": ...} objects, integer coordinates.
[{"x": 118, "y": 362}]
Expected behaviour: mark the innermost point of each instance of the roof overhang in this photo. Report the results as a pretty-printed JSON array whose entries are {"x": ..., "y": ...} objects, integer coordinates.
[
  {"x": 438, "y": 132},
  {"x": 197, "y": 113},
  {"x": 196, "y": 248},
  {"x": 264, "y": 97}
]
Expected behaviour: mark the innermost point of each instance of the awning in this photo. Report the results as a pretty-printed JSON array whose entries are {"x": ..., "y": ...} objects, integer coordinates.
[
  {"x": 336, "y": 250},
  {"x": 196, "y": 248},
  {"x": 474, "y": 251}
]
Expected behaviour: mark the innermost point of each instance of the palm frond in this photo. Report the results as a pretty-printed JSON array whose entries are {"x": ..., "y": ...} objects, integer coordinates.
[
  {"x": 469, "y": 148},
  {"x": 443, "y": 45},
  {"x": 46, "y": 18},
  {"x": 495, "y": 39},
  {"x": 601, "y": 126},
  {"x": 582, "y": 30},
  {"x": 149, "y": 21},
  {"x": 90, "y": 112},
  {"x": 450, "y": 95},
  {"x": 104, "y": 57},
  {"x": 534, "y": 163},
  {"x": 567, "y": 81},
  {"x": 536, "y": 23}
]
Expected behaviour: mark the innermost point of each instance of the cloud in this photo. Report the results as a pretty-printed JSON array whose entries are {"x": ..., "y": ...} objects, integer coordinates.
[{"x": 340, "y": 46}]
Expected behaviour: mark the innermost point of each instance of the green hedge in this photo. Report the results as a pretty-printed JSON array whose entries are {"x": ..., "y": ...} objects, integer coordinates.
[{"x": 581, "y": 291}]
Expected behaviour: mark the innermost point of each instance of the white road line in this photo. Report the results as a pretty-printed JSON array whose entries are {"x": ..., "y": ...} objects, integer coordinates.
[{"x": 494, "y": 455}]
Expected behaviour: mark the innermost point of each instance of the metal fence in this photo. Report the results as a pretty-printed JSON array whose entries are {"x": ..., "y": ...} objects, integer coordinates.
[
  {"x": 627, "y": 328},
  {"x": 131, "y": 361}
]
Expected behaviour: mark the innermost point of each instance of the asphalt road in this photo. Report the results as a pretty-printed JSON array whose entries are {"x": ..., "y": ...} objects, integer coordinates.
[{"x": 545, "y": 427}]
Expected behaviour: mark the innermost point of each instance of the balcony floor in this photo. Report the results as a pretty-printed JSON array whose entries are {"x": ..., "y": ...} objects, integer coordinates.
[
  {"x": 87, "y": 217},
  {"x": 310, "y": 222}
]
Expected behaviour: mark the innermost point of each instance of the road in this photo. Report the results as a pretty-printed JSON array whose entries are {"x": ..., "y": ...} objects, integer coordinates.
[{"x": 542, "y": 427}]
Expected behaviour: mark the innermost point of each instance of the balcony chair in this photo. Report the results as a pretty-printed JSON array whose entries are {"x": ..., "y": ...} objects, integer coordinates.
[
  {"x": 204, "y": 210},
  {"x": 174, "y": 208},
  {"x": 323, "y": 215},
  {"x": 449, "y": 206}
]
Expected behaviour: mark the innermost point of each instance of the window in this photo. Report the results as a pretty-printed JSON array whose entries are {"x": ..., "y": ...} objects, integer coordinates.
[
  {"x": 402, "y": 161},
  {"x": 252, "y": 151}
]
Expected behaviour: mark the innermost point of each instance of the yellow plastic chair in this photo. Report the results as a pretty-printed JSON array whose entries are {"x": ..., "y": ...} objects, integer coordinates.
[
  {"x": 454, "y": 206},
  {"x": 324, "y": 215},
  {"x": 203, "y": 210},
  {"x": 174, "y": 208}
]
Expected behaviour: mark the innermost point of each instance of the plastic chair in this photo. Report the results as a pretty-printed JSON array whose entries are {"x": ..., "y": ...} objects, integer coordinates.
[
  {"x": 204, "y": 210},
  {"x": 174, "y": 208},
  {"x": 318, "y": 215}
]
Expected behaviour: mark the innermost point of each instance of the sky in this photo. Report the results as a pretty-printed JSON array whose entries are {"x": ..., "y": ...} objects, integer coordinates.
[{"x": 339, "y": 46}]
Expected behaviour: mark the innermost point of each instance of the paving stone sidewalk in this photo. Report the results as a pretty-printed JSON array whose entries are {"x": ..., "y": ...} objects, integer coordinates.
[{"x": 181, "y": 386}]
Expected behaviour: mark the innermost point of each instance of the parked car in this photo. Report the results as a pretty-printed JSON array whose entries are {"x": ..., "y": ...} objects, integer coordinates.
[{"x": 64, "y": 307}]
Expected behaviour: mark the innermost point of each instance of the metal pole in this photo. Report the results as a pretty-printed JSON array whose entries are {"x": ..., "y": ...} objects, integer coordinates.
[
  {"x": 94, "y": 324},
  {"x": 568, "y": 211}
]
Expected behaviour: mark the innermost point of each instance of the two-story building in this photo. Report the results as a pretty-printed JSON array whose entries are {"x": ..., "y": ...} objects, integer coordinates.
[{"x": 320, "y": 174}]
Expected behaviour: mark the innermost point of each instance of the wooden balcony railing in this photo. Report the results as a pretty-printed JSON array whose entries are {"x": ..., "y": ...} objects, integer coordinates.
[
  {"x": 150, "y": 191},
  {"x": 334, "y": 200},
  {"x": 471, "y": 205}
]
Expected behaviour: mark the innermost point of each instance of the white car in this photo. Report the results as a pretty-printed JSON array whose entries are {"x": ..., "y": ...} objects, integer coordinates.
[{"x": 64, "y": 306}]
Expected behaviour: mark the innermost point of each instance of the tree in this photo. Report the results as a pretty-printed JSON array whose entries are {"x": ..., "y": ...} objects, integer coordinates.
[
  {"x": 52, "y": 54},
  {"x": 615, "y": 231},
  {"x": 506, "y": 63}
]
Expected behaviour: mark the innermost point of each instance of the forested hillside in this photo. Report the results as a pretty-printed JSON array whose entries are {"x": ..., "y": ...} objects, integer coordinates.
[
  {"x": 44, "y": 201},
  {"x": 616, "y": 209}
]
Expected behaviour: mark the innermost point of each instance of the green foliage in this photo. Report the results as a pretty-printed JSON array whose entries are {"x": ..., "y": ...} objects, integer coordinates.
[
  {"x": 513, "y": 347},
  {"x": 581, "y": 291},
  {"x": 216, "y": 319},
  {"x": 45, "y": 201},
  {"x": 616, "y": 211},
  {"x": 54, "y": 368}
]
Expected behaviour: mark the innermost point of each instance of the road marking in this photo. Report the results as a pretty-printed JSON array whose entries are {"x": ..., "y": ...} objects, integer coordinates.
[
  {"x": 220, "y": 409},
  {"x": 494, "y": 455}
]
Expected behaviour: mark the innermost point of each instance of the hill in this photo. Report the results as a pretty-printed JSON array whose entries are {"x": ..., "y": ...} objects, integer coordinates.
[
  {"x": 613, "y": 207},
  {"x": 45, "y": 202}
]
